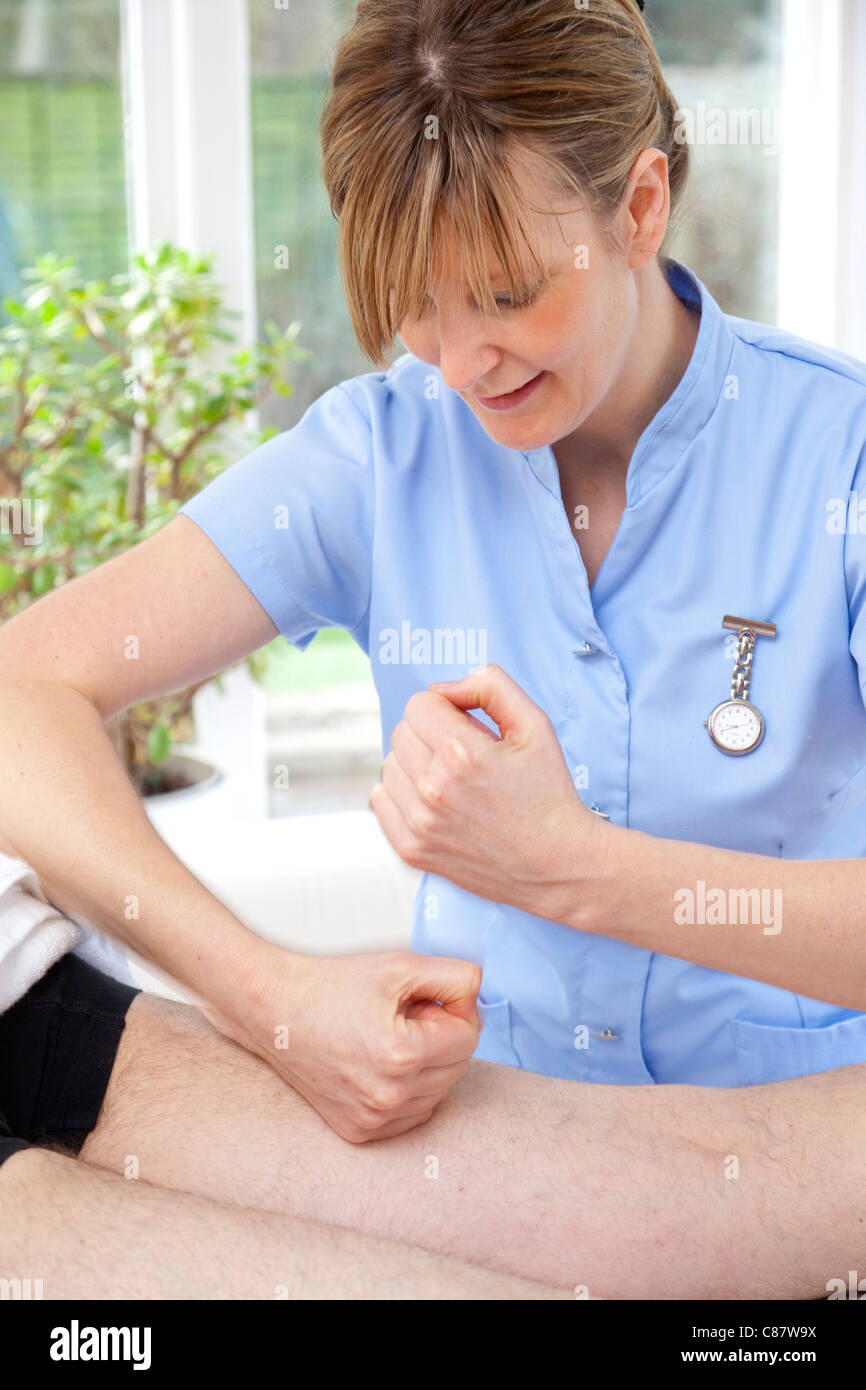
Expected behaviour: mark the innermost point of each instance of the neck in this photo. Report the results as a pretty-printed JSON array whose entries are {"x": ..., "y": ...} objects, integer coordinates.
[{"x": 653, "y": 364}]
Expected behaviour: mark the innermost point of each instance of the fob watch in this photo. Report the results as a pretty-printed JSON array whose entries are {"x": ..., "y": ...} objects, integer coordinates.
[{"x": 736, "y": 726}]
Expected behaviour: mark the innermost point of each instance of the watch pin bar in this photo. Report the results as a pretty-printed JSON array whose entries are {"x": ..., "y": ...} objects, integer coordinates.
[{"x": 753, "y": 624}]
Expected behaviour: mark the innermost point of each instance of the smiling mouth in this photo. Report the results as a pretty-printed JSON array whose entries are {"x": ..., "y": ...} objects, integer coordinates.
[{"x": 505, "y": 396}]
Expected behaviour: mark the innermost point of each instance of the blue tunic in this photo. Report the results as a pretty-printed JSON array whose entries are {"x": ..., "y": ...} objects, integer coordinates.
[{"x": 389, "y": 511}]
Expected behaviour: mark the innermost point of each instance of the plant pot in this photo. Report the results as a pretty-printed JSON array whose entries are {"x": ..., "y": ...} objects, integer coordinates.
[{"x": 187, "y": 777}]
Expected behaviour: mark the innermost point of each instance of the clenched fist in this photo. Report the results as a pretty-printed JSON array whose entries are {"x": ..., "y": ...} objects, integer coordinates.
[{"x": 373, "y": 1042}]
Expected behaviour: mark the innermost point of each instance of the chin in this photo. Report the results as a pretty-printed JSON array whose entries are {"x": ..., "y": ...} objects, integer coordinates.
[{"x": 526, "y": 435}]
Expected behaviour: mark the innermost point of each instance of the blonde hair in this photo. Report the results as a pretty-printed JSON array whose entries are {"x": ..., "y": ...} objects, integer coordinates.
[{"x": 429, "y": 100}]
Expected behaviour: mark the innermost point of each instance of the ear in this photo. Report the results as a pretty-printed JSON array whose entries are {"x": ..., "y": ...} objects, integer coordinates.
[{"x": 648, "y": 206}]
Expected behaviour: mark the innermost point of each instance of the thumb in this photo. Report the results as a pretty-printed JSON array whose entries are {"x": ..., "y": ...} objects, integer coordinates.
[
  {"x": 444, "y": 984},
  {"x": 494, "y": 691}
]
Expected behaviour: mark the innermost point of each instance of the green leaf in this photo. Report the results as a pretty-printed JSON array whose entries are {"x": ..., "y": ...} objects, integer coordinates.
[
  {"x": 43, "y": 580},
  {"x": 159, "y": 743}
]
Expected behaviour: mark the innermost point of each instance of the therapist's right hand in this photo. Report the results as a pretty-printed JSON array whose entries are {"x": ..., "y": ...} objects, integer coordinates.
[{"x": 361, "y": 1038}]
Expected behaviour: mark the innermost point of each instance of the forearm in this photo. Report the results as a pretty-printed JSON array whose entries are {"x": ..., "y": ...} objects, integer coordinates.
[
  {"x": 797, "y": 924},
  {"x": 68, "y": 809}
]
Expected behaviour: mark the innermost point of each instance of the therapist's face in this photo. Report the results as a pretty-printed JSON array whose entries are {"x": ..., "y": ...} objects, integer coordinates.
[{"x": 570, "y": 341}]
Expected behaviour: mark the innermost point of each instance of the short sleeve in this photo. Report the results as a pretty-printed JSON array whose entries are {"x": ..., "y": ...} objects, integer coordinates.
[{"x": 294, "y": 519}]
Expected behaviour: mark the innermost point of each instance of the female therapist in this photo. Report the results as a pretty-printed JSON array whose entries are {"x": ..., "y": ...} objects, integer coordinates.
[
  {"x": 578, "y": 470},
  {"x": 625, "y": 512}
]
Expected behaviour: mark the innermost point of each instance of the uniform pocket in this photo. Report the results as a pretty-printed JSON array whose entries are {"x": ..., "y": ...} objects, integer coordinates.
[
  {"x": 495, "y": 1044},
  {"x": 767, "y": 1053}
]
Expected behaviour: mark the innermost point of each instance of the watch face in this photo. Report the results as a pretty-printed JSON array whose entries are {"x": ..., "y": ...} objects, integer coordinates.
[{"x": 736, "y": 726}]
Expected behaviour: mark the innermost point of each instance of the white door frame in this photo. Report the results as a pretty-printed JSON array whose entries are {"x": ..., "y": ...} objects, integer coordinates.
[
  {"x": 186, "y": 85},
  {"x": 822, "y": 188}
]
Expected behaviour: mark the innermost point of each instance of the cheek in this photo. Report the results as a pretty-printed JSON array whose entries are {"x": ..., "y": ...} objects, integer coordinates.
[
  {"x": 421, "y": 340},
  {"x": 579, "y": 341}
]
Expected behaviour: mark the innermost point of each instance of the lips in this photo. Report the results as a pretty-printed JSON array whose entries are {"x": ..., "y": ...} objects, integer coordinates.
[
  {"x": 498, "y": 395},
  {"x": 513, "y": 397}
]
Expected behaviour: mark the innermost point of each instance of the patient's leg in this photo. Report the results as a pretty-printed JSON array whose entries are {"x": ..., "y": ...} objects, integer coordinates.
[
  {"x": 671, "y": 1191},
  {"x": 92, "y": 1234}
]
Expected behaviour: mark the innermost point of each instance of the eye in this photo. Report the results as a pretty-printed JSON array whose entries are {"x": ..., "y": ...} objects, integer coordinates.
[
  {"x": 504, "y": 299},
  {"x": 522, "y": 303}
]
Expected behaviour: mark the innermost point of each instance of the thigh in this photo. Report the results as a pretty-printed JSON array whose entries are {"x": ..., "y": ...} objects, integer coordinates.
[
  {"x": 188, "y": 1107},
  {"x": 618, "y": 1191},
  {"x": 573, "y": 1185},
  {"x": 93, "y": 1236}
]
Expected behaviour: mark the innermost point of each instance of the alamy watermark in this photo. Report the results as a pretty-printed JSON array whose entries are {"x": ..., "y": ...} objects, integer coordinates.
[
  {"x": 77, "y": 1343},
  {"x": 438, "y": 646},
  {"x": 21, "y": 1290},
  {"x": 712, "y": 907},
  {"x": 846, "y": 516},
  {"x": 727, "y": 125},
  {"x": 22, "y": 516}
]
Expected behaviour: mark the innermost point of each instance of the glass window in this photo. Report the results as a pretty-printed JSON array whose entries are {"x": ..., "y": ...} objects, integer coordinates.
[
  {"x": 297, "y": 274},
  {"x": 62, "y": 180},
  {"x": 722, "y": 63}
]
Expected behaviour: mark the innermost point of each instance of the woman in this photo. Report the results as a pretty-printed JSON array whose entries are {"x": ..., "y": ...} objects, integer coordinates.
[{"x": 504, "y": 176}]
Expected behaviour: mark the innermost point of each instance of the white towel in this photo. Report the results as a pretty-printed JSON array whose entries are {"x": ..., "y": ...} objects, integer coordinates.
[{"x": 33, "y": 934}]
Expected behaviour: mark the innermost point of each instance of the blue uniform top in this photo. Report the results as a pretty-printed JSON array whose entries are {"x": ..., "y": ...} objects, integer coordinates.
[{"x": 389, "y": 511}]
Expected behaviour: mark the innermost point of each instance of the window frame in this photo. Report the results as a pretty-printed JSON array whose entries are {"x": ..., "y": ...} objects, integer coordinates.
[
  {"x": 186, "y": 83},
  {"x": 822, "y": 174}
]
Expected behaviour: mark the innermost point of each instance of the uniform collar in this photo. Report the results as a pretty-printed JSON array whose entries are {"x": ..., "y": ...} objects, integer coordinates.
[{"x": 685, "y": 413}]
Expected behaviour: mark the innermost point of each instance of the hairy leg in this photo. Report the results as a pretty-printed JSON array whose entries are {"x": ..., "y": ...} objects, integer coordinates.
[
  {"x": 88, "y": 1233},
  {"x": 626, "y": 1192}
]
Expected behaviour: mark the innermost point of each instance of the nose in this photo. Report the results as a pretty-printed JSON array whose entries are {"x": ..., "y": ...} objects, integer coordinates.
[{"x": 466, "y": 354}]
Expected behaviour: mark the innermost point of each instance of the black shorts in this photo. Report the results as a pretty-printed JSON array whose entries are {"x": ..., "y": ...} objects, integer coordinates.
[{"x": 57, "y": 1051}]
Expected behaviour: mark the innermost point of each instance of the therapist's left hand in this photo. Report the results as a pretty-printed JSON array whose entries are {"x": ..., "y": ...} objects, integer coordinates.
[{"x": 499, "y": 816}]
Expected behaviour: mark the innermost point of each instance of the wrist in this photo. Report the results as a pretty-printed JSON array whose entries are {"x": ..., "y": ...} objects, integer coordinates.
[
  {"x": 270, "y": 977},
  {"x": 579, "y": 887}
]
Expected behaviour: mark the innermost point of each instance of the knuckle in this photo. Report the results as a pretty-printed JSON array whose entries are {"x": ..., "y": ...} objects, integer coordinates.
[
  {"x": 367, "y": 1120},
  {"x": 400, "y": 1061},
  {"x": 398, "y": 964},
  {"x": 415, "y": 703},
  {"x": 357, "y": 1136},
  {"x": 403, "y": 840},
  {"x": 431, "y": 789},
  {"x": 422, "y": 821},
  {"x": 353, "y": 1135},
  {"x": 382, "y": 1098},
  {"x": 413, "y": 855},
  {"x": 460, "y": 757},
  {"x": 399, "y": 961}
]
